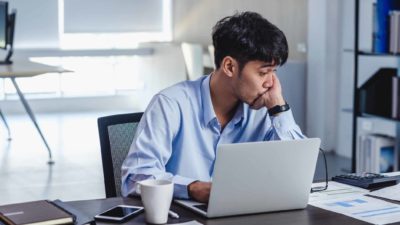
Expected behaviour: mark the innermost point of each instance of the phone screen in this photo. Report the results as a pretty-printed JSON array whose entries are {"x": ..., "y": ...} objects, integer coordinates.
[{"x": 120, "y": 212}]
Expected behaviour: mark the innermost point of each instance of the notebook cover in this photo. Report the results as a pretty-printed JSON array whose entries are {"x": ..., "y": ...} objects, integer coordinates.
[
  {"x": 81, "y": 218},
  {"x": 37, "y": 212}
]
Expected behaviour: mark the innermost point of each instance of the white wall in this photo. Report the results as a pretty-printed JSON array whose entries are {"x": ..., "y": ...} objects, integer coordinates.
[
  {"x": 94, "y": 16},
  {"x": 346, "y": 80},
  {"x": 193, "y": 19},
  {"x": 37, "y": 20},
  {"x": 37, "y": 23},
  {"x": 322, "y": 64}
]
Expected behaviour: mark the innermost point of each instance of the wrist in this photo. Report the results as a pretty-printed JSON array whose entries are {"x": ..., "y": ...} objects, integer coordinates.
[
  {"x": 190, "y": 188},
  {"x": 276, "y": 102},
  {"x": 276, "y": 110}
]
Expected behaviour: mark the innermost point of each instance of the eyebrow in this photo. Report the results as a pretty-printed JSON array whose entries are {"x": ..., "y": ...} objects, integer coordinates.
[{"x": 267, "y": 65}]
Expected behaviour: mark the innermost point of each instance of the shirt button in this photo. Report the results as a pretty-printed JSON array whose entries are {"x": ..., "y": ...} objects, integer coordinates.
[{"x": 277, "y": 125}]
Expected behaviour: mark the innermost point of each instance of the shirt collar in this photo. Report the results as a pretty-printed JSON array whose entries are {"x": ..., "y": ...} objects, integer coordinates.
[
  {"x": 240, "y": 114},
  {"x": 208, "y": 109}
]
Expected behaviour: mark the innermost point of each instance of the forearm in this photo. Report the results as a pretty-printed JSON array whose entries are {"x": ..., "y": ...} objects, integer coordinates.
[
  {"x": 128, "y": 186},
  {"x": 283, "y": 127}
]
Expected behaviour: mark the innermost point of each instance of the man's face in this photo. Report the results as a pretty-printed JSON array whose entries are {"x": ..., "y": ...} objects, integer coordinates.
[{"x": 253, "y": 81}]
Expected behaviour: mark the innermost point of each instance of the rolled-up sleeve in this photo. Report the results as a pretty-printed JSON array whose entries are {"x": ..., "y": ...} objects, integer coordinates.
[
  {"x": 151, "y": 148},
  {"x": 283, "y": 127}
]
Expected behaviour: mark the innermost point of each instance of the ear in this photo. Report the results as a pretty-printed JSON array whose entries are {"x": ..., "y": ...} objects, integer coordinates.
[{"x": 229, "y": 66}]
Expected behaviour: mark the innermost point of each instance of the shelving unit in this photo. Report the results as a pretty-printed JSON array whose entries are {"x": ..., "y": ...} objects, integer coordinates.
[{"x": 365, "y": 64}]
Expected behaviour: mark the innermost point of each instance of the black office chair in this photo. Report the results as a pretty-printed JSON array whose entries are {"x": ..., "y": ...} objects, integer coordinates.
[{"x": 116, "y": 134}]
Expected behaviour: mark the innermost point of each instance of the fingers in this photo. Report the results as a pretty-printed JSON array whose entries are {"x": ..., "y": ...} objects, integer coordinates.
[
  {"x": 200, "y": 191},
  {"x": 276, "y": 82},
  {"x": 259, "y": 102},
  {"x": 271, "y": 97}
]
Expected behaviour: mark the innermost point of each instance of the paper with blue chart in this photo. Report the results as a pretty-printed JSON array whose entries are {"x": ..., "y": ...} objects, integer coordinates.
[
  {"x": 364, "y": 208},
  {"x": 335, "y": 190},
  {"x": 351, "y": 201}
]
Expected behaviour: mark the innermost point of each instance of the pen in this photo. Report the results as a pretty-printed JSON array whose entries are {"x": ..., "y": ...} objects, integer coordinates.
[{"x": 173, "y": 214}]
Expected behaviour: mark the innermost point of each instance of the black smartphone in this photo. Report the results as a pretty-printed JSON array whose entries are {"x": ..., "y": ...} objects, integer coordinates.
[{"x": 119, "y": 213}]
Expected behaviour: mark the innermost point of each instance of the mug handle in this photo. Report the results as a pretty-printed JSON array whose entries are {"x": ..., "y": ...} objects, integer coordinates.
[{"x": 137, "y": 188}]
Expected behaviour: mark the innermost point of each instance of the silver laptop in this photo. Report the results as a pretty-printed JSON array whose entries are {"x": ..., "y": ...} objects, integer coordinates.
[{"x": 260, "y": 177}]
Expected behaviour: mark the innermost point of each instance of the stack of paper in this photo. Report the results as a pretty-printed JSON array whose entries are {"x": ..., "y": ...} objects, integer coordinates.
[
  {"x": 351, "y": 201},
  {"x": 391, "y": 193},
  {"x": 364, "y": 208},
  {"x": 335, "y": 190}
]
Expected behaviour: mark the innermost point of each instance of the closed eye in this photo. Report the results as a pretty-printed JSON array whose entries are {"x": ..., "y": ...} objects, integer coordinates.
[{"x": 263, "y": 73}]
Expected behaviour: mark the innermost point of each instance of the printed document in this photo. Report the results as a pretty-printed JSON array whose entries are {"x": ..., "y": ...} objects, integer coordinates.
[
  {"x": 193, "y": 222},
  {"x": 392, "y": 192},
  {"x": 364, "y": 208},
  {"x": 335, "y": 190}
]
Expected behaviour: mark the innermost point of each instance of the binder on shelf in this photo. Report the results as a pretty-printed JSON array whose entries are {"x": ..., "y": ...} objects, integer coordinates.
[
  {"x": 394, "y": 32},
  {"x": 395, "y": 98},
  {"x": 376, "y": 154},
  {"x": 382, "y": 24},
  {"x": 379, "y": 94}
]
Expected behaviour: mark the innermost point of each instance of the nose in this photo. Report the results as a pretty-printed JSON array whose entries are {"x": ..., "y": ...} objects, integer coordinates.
[{"x": 268, "y": 82}]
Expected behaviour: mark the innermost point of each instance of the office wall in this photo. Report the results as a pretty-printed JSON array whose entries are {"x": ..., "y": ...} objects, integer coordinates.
[
  {"x": 37, "y": 20},
  {"x": 323, "y": 65},
  {"x": 37, "y": 23},
  {"x": 293, "y": 80},
  {"x": 193, "y": 19},
  {"x": 346, "y": 77},
  {"x": 94, "y": 16}
]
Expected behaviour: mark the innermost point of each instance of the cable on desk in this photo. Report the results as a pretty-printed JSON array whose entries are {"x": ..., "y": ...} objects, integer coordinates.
[{"x": 322, "y": 188}]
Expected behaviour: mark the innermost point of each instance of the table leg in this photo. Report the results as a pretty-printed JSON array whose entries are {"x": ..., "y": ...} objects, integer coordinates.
[
  {"x": 32, "y": 116},
  {"x": 5, "y": 123}
]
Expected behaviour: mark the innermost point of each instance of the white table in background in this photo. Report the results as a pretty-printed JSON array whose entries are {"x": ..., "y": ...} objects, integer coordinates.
[{"x": 25, "y": 68}]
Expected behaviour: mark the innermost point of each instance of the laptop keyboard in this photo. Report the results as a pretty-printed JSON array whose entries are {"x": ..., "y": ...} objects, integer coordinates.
[{"x": 202, "y": 207}]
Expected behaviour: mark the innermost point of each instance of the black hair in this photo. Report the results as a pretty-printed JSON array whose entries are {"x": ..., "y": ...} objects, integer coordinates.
[{"x": 248, "y": 36}]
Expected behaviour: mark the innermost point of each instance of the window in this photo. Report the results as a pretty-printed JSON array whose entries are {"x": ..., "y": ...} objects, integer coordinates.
[
  {"x": 107, "y": 24},
  {"x": 91, "y": 76},
  {"x": 98, "y": 24}
]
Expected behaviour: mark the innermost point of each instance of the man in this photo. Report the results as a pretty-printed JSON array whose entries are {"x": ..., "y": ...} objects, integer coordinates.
[{"x": 241, "y": 101}]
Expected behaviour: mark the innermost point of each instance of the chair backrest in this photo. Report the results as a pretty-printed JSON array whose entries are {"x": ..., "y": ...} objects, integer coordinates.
[{"x": 116, "y": 134}]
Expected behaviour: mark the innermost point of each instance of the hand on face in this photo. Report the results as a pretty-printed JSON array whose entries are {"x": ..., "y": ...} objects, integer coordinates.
[{"x": 271, "y": 97}]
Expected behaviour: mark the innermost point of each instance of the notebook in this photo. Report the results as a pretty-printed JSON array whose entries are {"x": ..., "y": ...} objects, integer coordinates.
[
  {"x": 34, "y": 213},
  {"x": 81, "y": 218}
]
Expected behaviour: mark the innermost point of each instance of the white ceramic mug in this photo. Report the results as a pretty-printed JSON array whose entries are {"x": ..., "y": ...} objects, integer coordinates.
[{"x": 156, "y": 198}]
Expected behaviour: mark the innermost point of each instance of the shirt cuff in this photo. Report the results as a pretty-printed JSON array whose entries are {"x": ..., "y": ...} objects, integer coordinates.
[
  {"x": 284, "y": 121},
  {"x": 180, "y": 186}
]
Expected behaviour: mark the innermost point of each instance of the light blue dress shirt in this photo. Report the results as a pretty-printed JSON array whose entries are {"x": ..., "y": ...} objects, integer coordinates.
[{"x": 179, "y": 133}]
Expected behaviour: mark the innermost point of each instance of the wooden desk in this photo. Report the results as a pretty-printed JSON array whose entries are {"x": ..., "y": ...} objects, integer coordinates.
[
  {"x": 308, "y": 216},
  {"x": 26, "y": 68}
]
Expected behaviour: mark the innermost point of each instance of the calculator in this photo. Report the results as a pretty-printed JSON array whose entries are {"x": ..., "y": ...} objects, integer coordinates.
[{"x": 366, "y": 180}]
